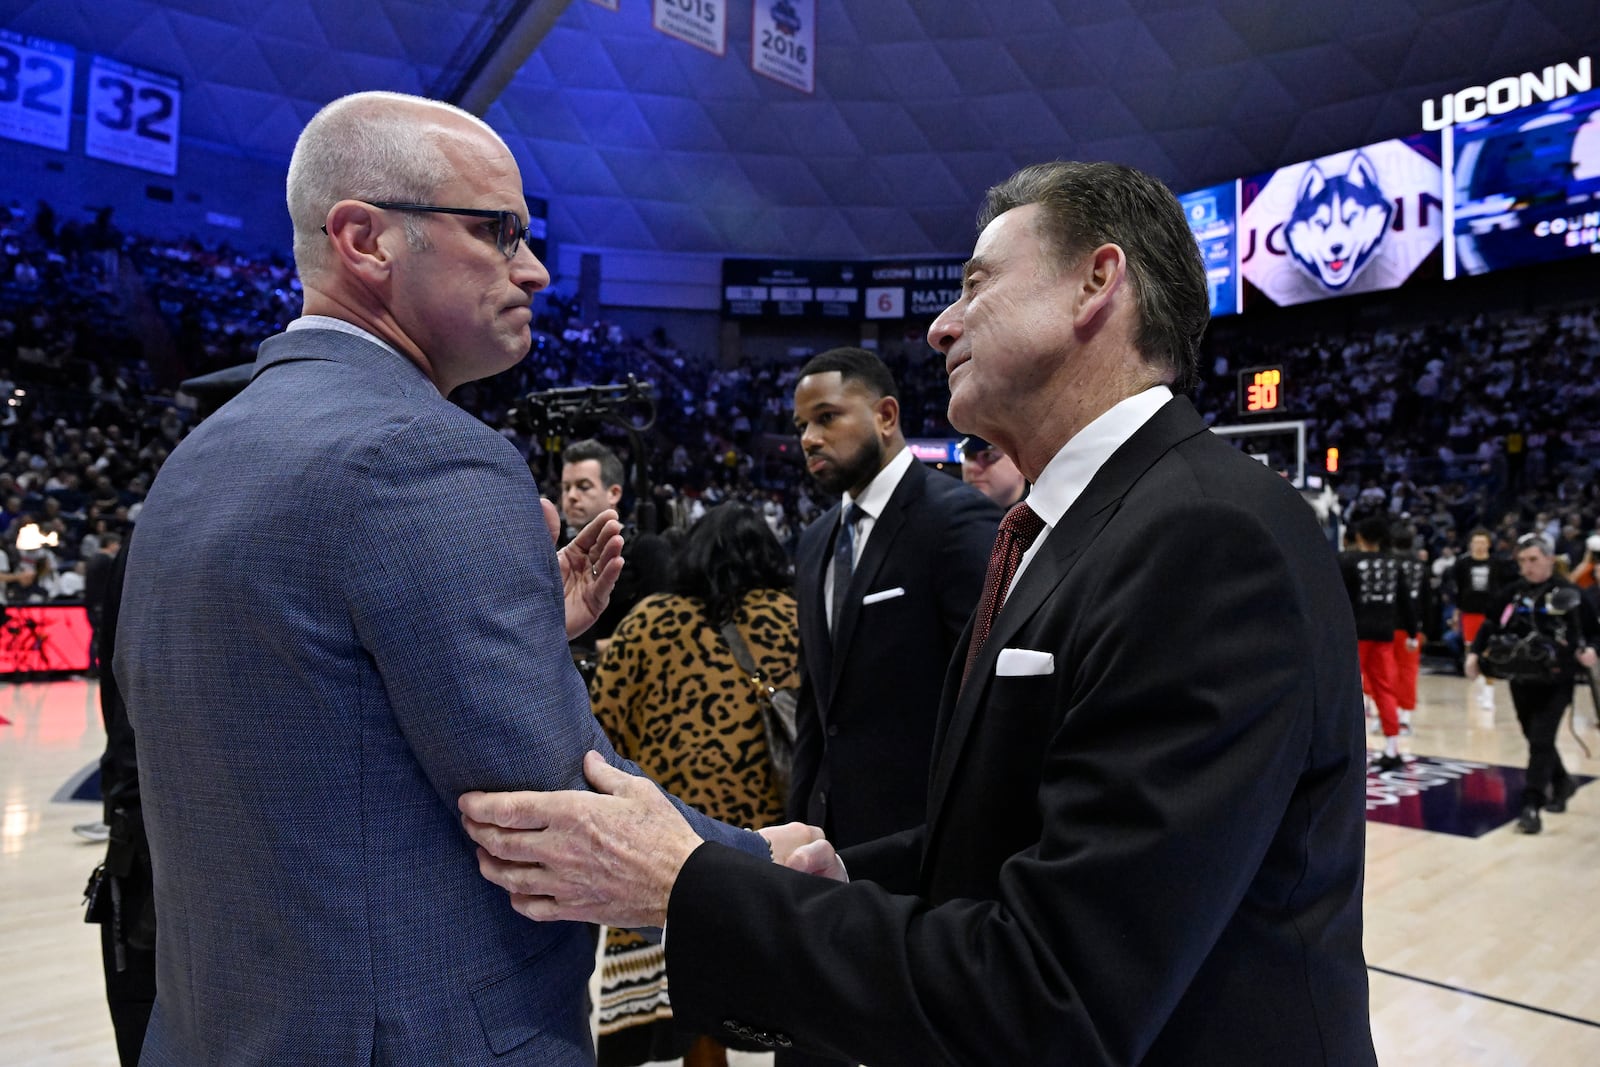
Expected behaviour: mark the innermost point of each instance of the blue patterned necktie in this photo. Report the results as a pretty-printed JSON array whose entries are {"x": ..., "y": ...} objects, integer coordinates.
[{"x": 844, "y": 550}]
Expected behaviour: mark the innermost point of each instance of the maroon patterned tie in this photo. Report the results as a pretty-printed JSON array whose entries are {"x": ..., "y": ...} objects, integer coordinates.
[{"x": 1017, "y": 532}]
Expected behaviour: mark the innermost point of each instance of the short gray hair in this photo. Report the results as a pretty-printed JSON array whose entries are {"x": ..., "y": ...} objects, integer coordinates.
[{"x": 366, "y": 146}]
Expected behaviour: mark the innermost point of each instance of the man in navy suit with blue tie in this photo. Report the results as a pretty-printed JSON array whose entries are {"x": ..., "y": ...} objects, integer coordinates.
[
  {"x": 885, "y": 581},
  {"x": 343, "y": 609},
  {"x": 1146, "y": 810}
]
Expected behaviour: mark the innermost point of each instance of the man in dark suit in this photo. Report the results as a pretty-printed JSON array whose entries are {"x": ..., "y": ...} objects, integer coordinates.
[
  {"x": 1145, "y": 826},
  {"x": 883, "y": 600},
  {"x": 342, "y": 610}
]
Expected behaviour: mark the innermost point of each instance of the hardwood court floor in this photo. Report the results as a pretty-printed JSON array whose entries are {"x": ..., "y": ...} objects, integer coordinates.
[{"x": 1485, "y": 951}]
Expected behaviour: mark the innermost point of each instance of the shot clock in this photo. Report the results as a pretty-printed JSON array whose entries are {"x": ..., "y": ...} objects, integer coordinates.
[{"x": 1261, "y": 391}]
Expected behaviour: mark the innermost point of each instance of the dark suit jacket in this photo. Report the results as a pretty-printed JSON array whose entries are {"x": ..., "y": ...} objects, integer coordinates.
[
  {"x": 341, "y": 612},
  {"x": 1150, "y": 854},
  {"x": 865, "y": 719}
]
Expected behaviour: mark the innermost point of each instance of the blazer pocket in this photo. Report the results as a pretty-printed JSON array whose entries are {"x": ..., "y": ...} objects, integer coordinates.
[
  {"x": 1020, "y": 662},
  {"x": 882, "y": 595},
  {"x": 543, "y": 995}
]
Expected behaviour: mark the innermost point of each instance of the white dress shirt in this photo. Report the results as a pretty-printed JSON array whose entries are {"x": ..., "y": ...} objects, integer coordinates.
[
  {"x": 874, "y": 498},
  {"x": 1068, "y": 474}
]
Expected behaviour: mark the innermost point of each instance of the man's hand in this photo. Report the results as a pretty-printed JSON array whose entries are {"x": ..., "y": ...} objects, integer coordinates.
[
  {"x": 590, "y": 563},
  {"x": 610, "y": 856},
  {"x": 1587, "y": 658},
  {"x": 803, "y": 848}
]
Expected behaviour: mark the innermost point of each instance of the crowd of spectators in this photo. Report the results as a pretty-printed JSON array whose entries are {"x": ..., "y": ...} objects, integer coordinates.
[{"x": 1447, "y": 426}]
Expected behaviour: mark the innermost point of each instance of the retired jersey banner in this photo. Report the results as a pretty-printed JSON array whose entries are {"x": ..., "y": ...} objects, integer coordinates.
[
  {"x": 609, "y": 5},
  {"x": 36, "y": 89},
  {"x": 132, "y": 115},
  {"x": 783, "y": 42},
  {"x": 703, "y": 23}
]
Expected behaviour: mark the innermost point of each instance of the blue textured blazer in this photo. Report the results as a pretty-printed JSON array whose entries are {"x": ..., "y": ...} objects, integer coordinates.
[{"x": 343, "y": 610}]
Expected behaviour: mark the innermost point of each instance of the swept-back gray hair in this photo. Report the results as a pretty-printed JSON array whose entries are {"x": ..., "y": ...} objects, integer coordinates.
[{"x": 366, "y": 146}]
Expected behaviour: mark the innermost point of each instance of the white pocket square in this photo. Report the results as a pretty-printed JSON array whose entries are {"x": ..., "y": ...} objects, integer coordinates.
[
  {"x": 883, "y": 594},
  {"x": 1015, "y": 662}
]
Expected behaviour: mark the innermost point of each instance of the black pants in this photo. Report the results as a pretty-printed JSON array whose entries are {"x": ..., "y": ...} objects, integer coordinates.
[
  {"x": 130, "y": 992},
  {"x": 1540, "y": 706}
]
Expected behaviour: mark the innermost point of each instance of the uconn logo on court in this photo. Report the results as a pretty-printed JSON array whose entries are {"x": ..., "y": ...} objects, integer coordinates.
[{"x": 1388, "y": 789}]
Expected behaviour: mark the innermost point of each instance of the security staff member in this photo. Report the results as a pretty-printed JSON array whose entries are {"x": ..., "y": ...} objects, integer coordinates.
[{"x": 1540, "y": 632}]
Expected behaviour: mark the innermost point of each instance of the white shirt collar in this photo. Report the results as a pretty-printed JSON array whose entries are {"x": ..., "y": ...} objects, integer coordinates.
[
  {"x": 328, "y": 322},
  {"x": 1068, "y": 474},
  {"x": 878, "y": 491}
]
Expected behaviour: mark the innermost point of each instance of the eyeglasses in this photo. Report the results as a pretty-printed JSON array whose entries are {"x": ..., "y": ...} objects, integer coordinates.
[{"x": 507, "y": 236}]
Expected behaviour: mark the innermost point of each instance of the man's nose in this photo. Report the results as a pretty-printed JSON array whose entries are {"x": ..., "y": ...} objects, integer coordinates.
[{"x": 945, "y": 329}]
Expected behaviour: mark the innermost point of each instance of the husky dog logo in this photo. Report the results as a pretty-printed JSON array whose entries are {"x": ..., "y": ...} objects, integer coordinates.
[
  {"x": 786, "y": 18},
  {"x": 1338, "y": 222}
]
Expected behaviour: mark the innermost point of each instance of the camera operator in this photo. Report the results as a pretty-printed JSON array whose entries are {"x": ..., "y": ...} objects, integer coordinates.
[
  {"x": 591, "y": 481},
  {"x": 1537, "y": 636}
]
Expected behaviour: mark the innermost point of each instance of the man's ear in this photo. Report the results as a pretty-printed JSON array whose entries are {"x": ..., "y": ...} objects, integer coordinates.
[
  {"x": 886, "y": 414},
  {"x": 1103, "y": 274},
  {"x": 355, "y": 230},
  {"x": 613, "y": 495}
]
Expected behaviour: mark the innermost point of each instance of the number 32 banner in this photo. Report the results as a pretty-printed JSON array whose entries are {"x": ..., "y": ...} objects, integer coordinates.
[
  {"x": 783, "y": 41},
  {"x": 35, "y": 90},
  {"x": 132, "y": 116}
]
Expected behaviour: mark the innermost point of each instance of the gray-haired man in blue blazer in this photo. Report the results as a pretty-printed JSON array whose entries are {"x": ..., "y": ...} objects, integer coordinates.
[{"x": 342, "y": 611}]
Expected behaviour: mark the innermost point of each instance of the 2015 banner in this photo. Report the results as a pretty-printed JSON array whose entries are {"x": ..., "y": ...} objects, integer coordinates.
[{"x": 702, "y": 23}]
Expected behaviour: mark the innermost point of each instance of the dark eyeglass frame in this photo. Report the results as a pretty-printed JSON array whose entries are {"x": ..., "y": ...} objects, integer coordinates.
[{"x": 512, "y": 229}]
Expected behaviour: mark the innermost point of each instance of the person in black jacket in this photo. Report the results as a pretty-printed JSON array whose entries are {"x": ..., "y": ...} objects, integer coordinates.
[
  {"x": 1408, "y": 647},
  {"x": 1476, "y": 579},
  {"x": 1381, "y": 598},
  {"x": 1539, "y": 634}
]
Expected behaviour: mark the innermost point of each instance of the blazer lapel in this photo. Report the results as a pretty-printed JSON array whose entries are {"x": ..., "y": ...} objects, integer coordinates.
[
  {"x": 885, "y": 529},
  {"x": 1063, "y": 546}
]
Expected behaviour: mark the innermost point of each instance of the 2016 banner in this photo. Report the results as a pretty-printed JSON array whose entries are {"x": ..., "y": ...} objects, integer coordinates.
[
  {"x": 783, "y": 42},
  {"x": 702, "y": 23}
]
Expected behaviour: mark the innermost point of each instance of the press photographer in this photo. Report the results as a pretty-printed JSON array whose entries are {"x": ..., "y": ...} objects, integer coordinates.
[{"x": 1538, "y": 635}]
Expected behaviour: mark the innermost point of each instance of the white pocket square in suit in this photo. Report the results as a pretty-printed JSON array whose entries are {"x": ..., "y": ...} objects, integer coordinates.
[
  {"x": 883, "y": 594},
  {"x": 1015, "y": 662}
]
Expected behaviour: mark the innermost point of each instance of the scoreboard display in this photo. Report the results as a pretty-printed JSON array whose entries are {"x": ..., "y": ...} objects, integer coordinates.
[{"x": 1261, "y": 390}]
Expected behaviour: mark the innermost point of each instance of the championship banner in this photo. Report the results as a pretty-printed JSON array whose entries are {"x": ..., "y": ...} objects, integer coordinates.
[
  {"x": 609, "y": 5},
  {"x": 702, "y": 23},
  {"x": 783, "y": 42},
  {"x": 1353, "y": 222},
  {"x": 132, "y": 116},
  {"x": 36, "y": 90}
]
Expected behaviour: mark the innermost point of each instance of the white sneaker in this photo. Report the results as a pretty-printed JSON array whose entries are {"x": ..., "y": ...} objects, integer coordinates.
[
  {"x": 93, "y": 831},
  {"x": 1486, "y": 698}
]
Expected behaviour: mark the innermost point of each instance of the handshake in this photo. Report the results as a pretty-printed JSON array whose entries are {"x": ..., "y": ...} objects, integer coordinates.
[{"x": 609, "y": 856}]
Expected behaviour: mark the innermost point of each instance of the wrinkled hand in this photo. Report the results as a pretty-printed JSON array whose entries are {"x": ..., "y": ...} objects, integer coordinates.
[
  {"x": 590, "y": 564},
  {"x": 803, "y": 848},
  {"x": 610, "y": 856}
]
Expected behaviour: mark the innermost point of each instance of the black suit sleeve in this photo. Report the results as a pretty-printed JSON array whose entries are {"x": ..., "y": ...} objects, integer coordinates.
[
  {"x": 1182, "y": 711},
  {"x": 807, "y": 744},
  {"x": 964, "y": 557}
]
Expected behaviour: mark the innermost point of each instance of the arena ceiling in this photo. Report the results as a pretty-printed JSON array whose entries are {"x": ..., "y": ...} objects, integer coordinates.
[{"x": 642, "y": 142}]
